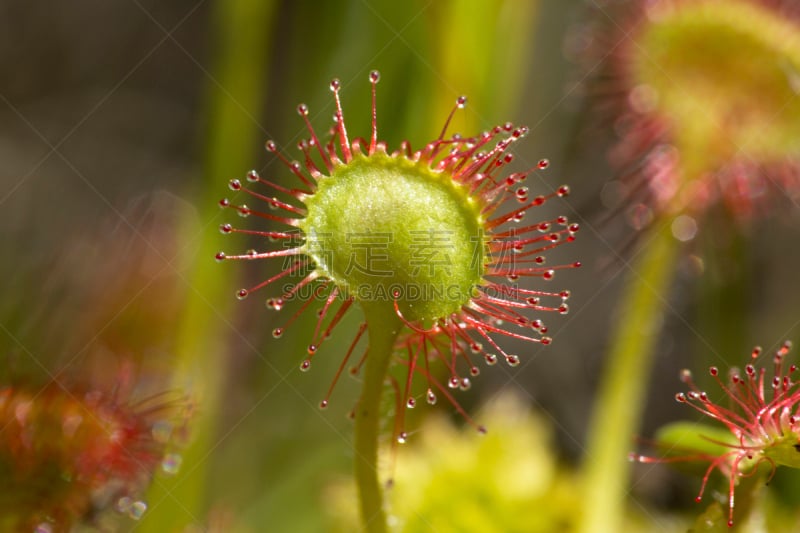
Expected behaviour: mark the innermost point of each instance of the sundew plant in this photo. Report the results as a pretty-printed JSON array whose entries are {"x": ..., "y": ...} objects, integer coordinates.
[
  {"x": 419, "y": 266},
  {"x": 416, "y": 240}
]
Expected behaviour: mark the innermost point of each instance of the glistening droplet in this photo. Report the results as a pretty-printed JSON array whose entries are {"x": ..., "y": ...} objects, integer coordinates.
[
  {"x": 430, "y": 397},
  {"x": 171, "y": 463},
  {"x": 137, "y": 510}
]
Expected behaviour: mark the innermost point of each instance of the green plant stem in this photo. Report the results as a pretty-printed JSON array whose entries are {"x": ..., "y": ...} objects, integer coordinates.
[
  {"x": 383, "y": 326},
  {"x": 235, "y": 98},
  {"x": 621, "y": 396}
]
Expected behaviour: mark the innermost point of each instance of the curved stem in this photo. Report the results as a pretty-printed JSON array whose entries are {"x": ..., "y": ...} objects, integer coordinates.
[
  {"x": 621, "y": 397},
  {"x": 383, "y": 327}
]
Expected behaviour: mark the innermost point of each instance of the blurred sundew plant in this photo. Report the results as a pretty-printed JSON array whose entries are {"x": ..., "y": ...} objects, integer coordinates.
[
  {"x": 71, "y": 456},
  {"x": 703, "y": 97},
  {"x": 430, "y": 244},
  {"x": 87, "y": 415}
]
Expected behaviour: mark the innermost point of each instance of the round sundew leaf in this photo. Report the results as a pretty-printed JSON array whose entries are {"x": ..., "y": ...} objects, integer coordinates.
[
  {"x": 725, "y": 75},
  {"x": 386, "y": 228}
]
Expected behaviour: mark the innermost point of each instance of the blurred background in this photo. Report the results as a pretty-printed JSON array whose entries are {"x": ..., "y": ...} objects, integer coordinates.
[{"x": 121, "y": 123}]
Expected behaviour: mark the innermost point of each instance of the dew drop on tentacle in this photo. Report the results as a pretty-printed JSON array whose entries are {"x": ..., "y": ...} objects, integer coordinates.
[
  {"x": 305, "y": 365},
  {"x": 786, "y": 348},
  {"x": 275, "y": 304},
  {"x": 123, "y": 504},
  {"x": 241, "y": 294},
  {"x": 543, "y": 164},
  {"x": 137, "y": 510},
  {"x": 220, "y": 257},
  {"x": 171, "y": 463},
  {"x": 430, "y": 397}
]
